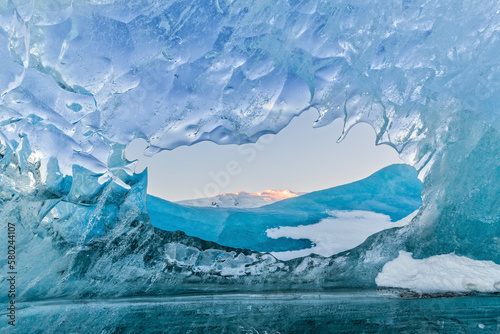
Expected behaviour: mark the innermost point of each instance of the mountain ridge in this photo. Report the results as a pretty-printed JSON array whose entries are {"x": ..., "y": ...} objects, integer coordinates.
[{"x": 242, "y": 199}]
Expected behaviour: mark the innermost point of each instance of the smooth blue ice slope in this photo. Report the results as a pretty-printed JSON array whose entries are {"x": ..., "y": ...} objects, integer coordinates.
[{"x": 393, "y": 191}]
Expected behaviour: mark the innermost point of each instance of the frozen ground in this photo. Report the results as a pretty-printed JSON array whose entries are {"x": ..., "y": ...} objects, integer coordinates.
[{"x": 272, "y": 313}]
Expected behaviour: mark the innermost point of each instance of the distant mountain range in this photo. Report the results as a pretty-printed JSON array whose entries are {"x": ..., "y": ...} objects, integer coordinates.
[{"x": 242, "y": 199}]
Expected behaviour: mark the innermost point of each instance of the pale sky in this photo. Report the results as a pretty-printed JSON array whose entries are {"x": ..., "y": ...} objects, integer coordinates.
[{"x": 299, "y": 158}]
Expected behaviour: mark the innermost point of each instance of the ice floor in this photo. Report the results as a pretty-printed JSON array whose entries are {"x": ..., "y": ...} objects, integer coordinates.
[{"x": 361, "y": 311}]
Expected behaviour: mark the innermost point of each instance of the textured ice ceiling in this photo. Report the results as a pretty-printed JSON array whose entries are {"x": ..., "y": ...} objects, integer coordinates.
[
  {"x": 176, "y": 72},
  {"x": 81, "y": 79}
]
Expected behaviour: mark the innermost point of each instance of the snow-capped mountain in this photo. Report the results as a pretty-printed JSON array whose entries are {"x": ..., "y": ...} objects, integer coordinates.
[{"x": 242, "y": 199}]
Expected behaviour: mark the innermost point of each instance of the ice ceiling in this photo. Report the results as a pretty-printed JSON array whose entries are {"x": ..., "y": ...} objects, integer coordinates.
[{"x": 79, "y": 80}]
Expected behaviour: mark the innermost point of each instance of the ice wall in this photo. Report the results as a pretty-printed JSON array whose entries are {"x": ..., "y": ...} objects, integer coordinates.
[{"x": 81, "y": 79}]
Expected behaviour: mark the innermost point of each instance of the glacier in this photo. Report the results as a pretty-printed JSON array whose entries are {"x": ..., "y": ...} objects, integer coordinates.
[
  {"x": 381, "y": 199},
  {"x": 79, "y": 80}
]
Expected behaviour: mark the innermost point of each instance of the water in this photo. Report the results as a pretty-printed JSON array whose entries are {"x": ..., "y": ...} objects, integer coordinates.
[{"x": 336, "y": 312}]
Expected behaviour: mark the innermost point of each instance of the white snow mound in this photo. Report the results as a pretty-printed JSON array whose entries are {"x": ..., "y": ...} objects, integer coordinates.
[{"x": 440, "y": 273}]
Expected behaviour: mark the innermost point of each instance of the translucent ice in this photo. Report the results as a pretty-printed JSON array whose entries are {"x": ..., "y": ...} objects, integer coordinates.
[{"x": 82, "y": 79}]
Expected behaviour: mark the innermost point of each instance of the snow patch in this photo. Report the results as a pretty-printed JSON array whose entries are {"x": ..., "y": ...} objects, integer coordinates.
[
  {"x": 440, "y": 273},
  {"x": 342, "y": 231}
]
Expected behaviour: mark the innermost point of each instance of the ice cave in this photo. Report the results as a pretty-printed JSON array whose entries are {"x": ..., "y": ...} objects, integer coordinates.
[{"x": 81, "y": 79}]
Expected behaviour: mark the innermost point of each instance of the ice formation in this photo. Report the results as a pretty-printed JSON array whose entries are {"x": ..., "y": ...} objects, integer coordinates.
[
  {"x": 79, "y": 80},
  {"x": 375, "y": 203}
]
